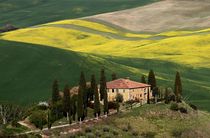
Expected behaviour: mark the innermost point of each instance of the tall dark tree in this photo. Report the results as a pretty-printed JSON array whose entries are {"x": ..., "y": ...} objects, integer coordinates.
[
  {"x": 67, "y": 103},
  {"x": 166, "y": 96},
  {"x": 102, "y": 84},
  {"x": 74, "y": 106},
  {"x": 80, "y": 100},
  {"x": 152, "y": 82},
  {"x": 114, "y": 76},
  {"x": 152, "y": 79},
  {"x": 143, "y": 80},
  {"x": 55, "y": 92},
  {"x": 94, "y": 88},
  {"x": 178, "y": 87},
  {"x": 49, "y": 119},
  {"x": 103, "y": 91}
]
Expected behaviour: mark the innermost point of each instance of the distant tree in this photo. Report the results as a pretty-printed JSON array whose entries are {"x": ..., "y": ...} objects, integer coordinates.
[
  {"x": 55, "y": 92},
  {"x": 119, "y": 99},
  {"x": 80, "y": 100},
  {"x": 74, "y": 106},
  {"x": 178, "y": 87},
  {"x": 114, "y": 76},
  {"x": 143, "y": 80},
  {"x": 102, "y": 84},
  {"x": 152, "y": 82},
  {"x": 166, "y": 96},
  {"x": 38, "y": 118},
  {"x": 155, "y": 93},
  {"x": 49, "y": 119},
  {"x": 10, "y": 113},
  {"x": 94, "y": 88},
  {"x": 152, "y": 79},
  {"x": 103, "y": 91},
  {"x": 67, "y": 103}
]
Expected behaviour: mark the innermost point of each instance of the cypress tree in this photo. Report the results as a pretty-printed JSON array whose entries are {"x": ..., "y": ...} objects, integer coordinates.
[
  {"x": 103, "y": 91},
  {"x": 178, "y": 87},
  {"x": 114, "y": 76},
  {"x": 166, "y": 96},
  {"x": 102, "y": 84},
  {"x": 67, "y": 103},
  {"x": 143, "y": 80},
  {"x": 49, "y": 119},
  {"x": 74, "y": 107},
  {"x": 94, "y": 88},
  {"x": 152, "y": 82},
  {"x": 55, "y": 92},
  {"x": 80, "y": 100},
  {"x": 151, "y": 79}
]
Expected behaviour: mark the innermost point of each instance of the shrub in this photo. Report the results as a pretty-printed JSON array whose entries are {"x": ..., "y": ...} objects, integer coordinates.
[
  {"x": 135, "y": 133},
  {"x": 125, "y": 129},
  {"x": 194, "y": 107},
  {"x": 112, "y": 105},
  {"x": 90, "y": 135},
  {"x": 129, "y": 126},
  {"x": 183, "y": 110},
  {"x": 174, "y": 106},
  {"x": 119, "y": 98},
  {"x": 108, "y": 136},
  {"x": 38, "y": 118},
  {"x": 88, "y": 130},
  {"x": 177, "y": 133},
  {"x": 98, "y": 133},
  {"x": 115, "y": 133},
  {"x": 148, "y": 134},
  {"x": 106, "y": 129}
]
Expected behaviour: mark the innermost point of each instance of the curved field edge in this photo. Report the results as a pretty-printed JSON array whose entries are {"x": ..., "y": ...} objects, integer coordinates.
[
  {"x": 27, "y": 72},
  {"x": 24, "y": 13}
]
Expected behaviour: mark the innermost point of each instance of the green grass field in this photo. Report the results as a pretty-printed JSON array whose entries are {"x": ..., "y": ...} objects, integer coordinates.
[
  {"x": 32, "y": 58},
  {"x": 23, "y": 13},
  {"x": 149, "y": 121}
]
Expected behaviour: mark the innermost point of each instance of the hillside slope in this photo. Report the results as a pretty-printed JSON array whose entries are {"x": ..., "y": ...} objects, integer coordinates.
[
  {"x": 86, "y": 45},
  {"x": 23, "y": 13},
  {"x": 161, "y": 16}
]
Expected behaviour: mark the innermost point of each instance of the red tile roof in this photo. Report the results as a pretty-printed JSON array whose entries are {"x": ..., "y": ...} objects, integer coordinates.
[{"x": 125, "y": 84}]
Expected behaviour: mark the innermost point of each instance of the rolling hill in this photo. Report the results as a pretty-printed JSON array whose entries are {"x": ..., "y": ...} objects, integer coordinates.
[
  {"x": 161, "y": 16},
  {"x": 37, "y": 55},
  {"x": 24, "y": 13}
]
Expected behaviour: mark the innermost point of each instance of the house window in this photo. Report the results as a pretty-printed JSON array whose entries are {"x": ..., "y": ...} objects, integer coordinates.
[
  {"x": 123, "y": 90},
  {"x": 117, "y": 90},
  {"x": 112, "y": 90},
  {"x": 140, "y": 95}
]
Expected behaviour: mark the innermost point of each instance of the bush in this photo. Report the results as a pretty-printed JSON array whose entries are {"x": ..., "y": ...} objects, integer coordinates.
[
  {"x": 119, "y": 98},
  {"x": 88, "y": 130},
  {"x": 148, "y": 134},
  {"x": 112, "y": 105},
  {"x": 177, "y": 133},
  {"x": 194, "y": 107},
  {"x": 183, "y": 110},
  {"x": 98, "y": 133},
  {"x": 90, "y": 135},
  {"x": 106, "y": 129},
  {"x": 108, "y": 136},
  {"x": 125, "y": 129},
  {"x": 135, "y": 133},
  {"x": 38, "y": 118},
  {"x": 174, "y": 106},
  {"x": 115, "y": 133}
]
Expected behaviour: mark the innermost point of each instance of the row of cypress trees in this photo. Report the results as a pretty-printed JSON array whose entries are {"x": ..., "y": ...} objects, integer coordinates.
[
  {"x": 78, "y": 105},
  {"x": 154, "y": 88}
]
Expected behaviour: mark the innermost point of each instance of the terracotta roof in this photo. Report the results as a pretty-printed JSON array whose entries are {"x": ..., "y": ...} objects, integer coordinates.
[{"x": 125, "y": 84}]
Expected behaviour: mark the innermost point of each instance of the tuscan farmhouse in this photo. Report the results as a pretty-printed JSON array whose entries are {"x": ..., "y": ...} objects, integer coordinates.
[{"x": 130, "y": 90}]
